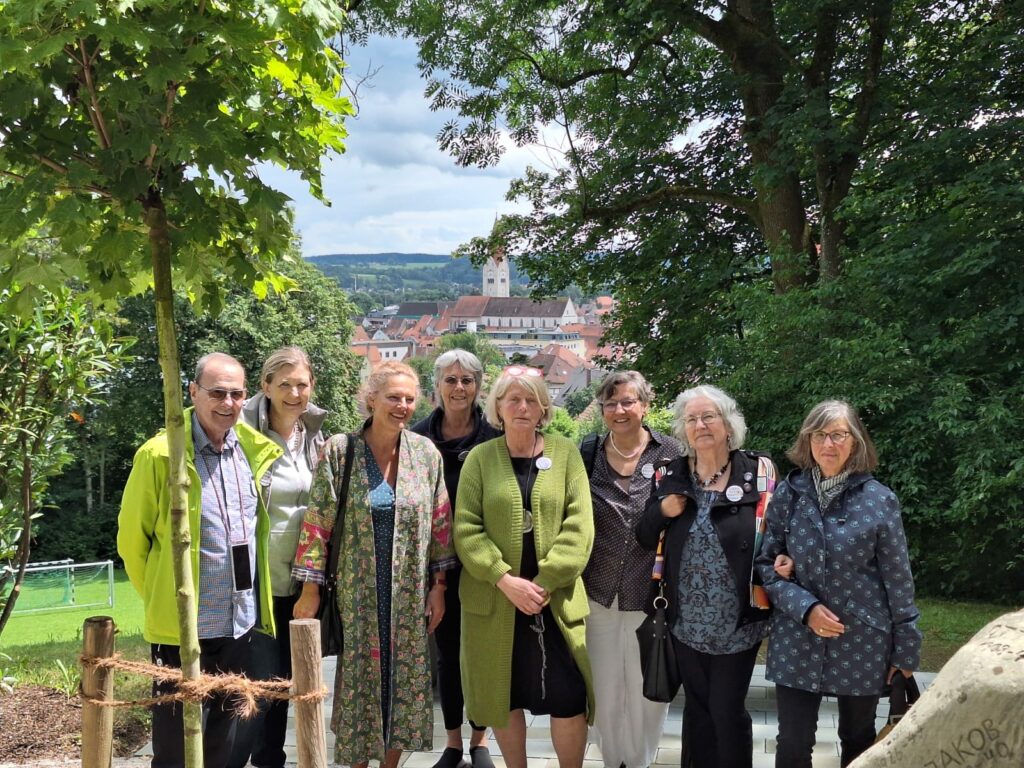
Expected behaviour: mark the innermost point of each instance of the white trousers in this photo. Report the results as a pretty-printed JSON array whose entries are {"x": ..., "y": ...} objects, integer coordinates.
[{"x": 627, "y": 725}]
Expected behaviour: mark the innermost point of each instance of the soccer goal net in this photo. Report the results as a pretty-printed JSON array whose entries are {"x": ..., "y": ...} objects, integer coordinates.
[{"x": 59, "y": 584}]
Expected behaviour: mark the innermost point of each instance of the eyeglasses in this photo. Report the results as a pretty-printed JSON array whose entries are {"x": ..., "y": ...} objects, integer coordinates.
[
  {"x": 222, "y": 394},
  {"x": 837, "y": 438},
  {"x": 522, "y": 370},
  {"x": 611, "y": 405},
  {"x": 704, "y": 418},
  {"x": 466, "y": 381}
]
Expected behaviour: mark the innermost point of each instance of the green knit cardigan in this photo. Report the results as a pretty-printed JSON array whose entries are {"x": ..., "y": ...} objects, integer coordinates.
[{"x": 489, "y": 542}]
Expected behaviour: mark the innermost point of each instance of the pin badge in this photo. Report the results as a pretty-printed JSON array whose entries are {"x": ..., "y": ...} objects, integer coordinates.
[
  {"x": 747, "y": 487},
  {"x": 463, "y": 455},
  {"x": 748, "y": 476},
  {"x": 647, "y": 470},
  {"x": 734, "y": 493},
  {"x": 543, "y": 463}
]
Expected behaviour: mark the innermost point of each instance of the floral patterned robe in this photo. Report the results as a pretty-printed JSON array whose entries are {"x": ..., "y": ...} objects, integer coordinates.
[{"x": 422, "y": 544}]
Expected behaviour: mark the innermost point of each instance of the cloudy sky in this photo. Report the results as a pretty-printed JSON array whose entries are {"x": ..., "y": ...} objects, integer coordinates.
[{"x": 394, "y": 189}]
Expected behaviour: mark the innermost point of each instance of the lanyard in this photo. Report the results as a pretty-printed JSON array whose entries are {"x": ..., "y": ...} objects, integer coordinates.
[{"x": 225, "y": 518}]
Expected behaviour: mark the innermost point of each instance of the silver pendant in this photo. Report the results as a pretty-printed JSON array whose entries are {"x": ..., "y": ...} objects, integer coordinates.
[
  {"x": 527, "y": 521},
  {"x": 734, "y": 493},
  {"x": 543, "y": 463},
  {"x": 647, "y": 470}
]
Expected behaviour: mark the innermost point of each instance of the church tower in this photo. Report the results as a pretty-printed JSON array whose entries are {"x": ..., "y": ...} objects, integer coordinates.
[{"x": 496, "y": 274}]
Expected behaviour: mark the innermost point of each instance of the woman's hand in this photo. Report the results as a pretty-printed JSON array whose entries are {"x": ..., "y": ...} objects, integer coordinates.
[
  {"x": 523, "y": 594},
  {"x": 435, "y": 607},
  {"x": 822, "y": 622},
  {"x": 784, "y": 566},
  {"x": 308, "y": 604},
  {"x": 673, "y": 505}
]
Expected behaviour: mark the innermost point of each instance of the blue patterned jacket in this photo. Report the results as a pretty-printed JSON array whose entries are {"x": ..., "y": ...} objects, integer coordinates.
[{"x": 853, "y": 559}]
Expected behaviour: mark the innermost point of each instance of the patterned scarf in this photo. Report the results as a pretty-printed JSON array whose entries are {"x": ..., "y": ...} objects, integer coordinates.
[{"x": 828, "y": 487}]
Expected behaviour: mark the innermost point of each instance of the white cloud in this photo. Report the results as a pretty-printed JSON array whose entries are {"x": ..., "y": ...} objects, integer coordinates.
[{"x": 394, "y": 189}]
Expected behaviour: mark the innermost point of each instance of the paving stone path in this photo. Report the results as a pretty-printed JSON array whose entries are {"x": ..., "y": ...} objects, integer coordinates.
[{"x": 540, "y": 753}]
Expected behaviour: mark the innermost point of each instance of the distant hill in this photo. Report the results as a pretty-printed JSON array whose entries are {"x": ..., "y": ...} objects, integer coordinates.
[{"x": 392, "y": 277}]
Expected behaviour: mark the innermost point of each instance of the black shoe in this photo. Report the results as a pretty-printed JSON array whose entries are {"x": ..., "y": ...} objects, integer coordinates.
[
  {"x": 451, "y": 758},
  {"x": 480, "y": 757}
]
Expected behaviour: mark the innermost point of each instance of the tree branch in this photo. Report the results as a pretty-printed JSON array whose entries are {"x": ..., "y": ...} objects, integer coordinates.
[
  {"x": 95, "y": 112},
  {"x": 671, "y": 192}
]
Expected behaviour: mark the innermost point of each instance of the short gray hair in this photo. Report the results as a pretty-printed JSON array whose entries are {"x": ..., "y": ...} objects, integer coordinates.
[
  {"x": 634, "y": 379},
  {"x": 465, "y": 360},
  {"x": 863, "y": 456},
  {"x": 735, "y": 424},
  {"x": 205, "y": 360}
]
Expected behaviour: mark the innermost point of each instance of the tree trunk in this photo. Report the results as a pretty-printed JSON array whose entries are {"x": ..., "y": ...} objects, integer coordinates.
[
  {"x": 780, "y": 201},
  {"x": 181, "y": 535},
  {"x": 25, "y": 540},
  {"x": 103, "y": 473},
  {"x": 87, "y": 471}
]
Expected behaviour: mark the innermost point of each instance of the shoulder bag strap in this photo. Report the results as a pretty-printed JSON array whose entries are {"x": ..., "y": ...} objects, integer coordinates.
[
  {"x": 765, "y": 487},
  {"x": 339, "y": 519},
  {"x": 589, "y": 450}
]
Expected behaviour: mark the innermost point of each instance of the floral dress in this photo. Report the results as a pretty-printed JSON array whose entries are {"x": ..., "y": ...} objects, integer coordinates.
[{"x": 382, "y": 697}]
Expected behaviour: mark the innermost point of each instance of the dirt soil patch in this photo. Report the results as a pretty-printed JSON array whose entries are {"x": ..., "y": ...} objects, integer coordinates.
[{"x": 41, "y": 724}]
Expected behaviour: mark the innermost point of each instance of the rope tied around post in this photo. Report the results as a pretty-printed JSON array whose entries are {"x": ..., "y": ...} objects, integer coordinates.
[{"x": 245, "y": 692}]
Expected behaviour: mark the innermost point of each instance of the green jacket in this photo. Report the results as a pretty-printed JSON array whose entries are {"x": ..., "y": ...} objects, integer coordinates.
[
  {"x": 489, "y": 542},
  {"x": 144, "y": 528}
]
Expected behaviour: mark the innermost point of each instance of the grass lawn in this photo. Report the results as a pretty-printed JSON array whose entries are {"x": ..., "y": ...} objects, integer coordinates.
[{"x": 66, "y": 623}]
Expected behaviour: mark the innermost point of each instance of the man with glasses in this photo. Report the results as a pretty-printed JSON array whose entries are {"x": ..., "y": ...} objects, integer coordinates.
[{"x": 225, "y": 459}]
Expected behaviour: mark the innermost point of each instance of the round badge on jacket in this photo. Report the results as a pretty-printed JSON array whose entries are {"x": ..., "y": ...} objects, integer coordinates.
[{"x": 734, "y": 493}]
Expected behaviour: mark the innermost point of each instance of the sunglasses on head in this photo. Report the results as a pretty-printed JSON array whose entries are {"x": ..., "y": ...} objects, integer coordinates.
[{"x": 522, "y": 370}]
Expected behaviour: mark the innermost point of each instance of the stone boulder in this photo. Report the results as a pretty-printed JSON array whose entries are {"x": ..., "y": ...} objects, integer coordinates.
[{"x": 971, "y": 715}]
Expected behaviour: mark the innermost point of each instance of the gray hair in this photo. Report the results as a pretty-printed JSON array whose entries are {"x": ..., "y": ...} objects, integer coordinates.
[
  {"x": 634, "y": 379},
  {"x": 466, "y": 360},
  {"x": 735, "y": 424},
  {"x": 863, "y": 456},
  {"x": 205, "y": 360}
]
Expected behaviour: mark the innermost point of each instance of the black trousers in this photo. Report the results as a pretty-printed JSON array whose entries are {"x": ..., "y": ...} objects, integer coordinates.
[
  {"x": 715, "y": 712},
  {"x": 218, "y": 654},
  {"x": 263, "y": 736},
  {"x": 448, "y": 637},
  {"x": 798, "y": 722}
]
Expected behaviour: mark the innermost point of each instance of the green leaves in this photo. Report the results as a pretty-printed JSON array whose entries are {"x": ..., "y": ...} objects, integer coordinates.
[{"x": 109, "y": 107}]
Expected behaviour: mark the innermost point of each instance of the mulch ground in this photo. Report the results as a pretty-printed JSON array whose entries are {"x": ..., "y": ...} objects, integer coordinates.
[{"x": 41, "y": 724}]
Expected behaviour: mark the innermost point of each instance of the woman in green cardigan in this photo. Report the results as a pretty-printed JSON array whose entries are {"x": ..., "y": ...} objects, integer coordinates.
[{"x": 524, "y": 536}]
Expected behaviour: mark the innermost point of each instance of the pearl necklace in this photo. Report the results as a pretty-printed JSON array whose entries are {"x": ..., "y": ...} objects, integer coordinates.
[{"x": 628, "y": 456}]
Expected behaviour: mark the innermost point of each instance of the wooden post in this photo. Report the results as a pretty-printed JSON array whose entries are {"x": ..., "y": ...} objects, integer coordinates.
[
  {"x": 97, "y": 721},
  {"x": 307, "y": 677}
]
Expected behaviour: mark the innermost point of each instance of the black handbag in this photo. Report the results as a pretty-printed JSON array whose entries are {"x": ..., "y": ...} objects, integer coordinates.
[
  {"x": 903, "y": 693},
  {"x": 332, "y": 639},
  {"x": 657, "y": 657}
]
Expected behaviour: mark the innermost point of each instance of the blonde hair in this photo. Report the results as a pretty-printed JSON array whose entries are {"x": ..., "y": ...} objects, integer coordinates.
[
  {"x": 283, "y": 358},
  {"x": 863, "y": 456},
  {"x": 534, "y": 385},
  {"x": 378, "y": 379}
]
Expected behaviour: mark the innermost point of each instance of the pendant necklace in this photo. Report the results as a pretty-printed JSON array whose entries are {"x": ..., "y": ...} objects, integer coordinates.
[
  {"x": 711, "y": 480},
  {"x": 627, "y": 456}
]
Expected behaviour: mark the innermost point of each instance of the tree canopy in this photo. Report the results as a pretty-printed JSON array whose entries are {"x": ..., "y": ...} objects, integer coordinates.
[{"x": 792, "y": 200}]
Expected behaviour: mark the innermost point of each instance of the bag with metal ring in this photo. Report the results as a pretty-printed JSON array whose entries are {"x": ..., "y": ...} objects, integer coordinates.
[
  {"x": 657, "y": 657},
  {"x": 332, "y": 638}
]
